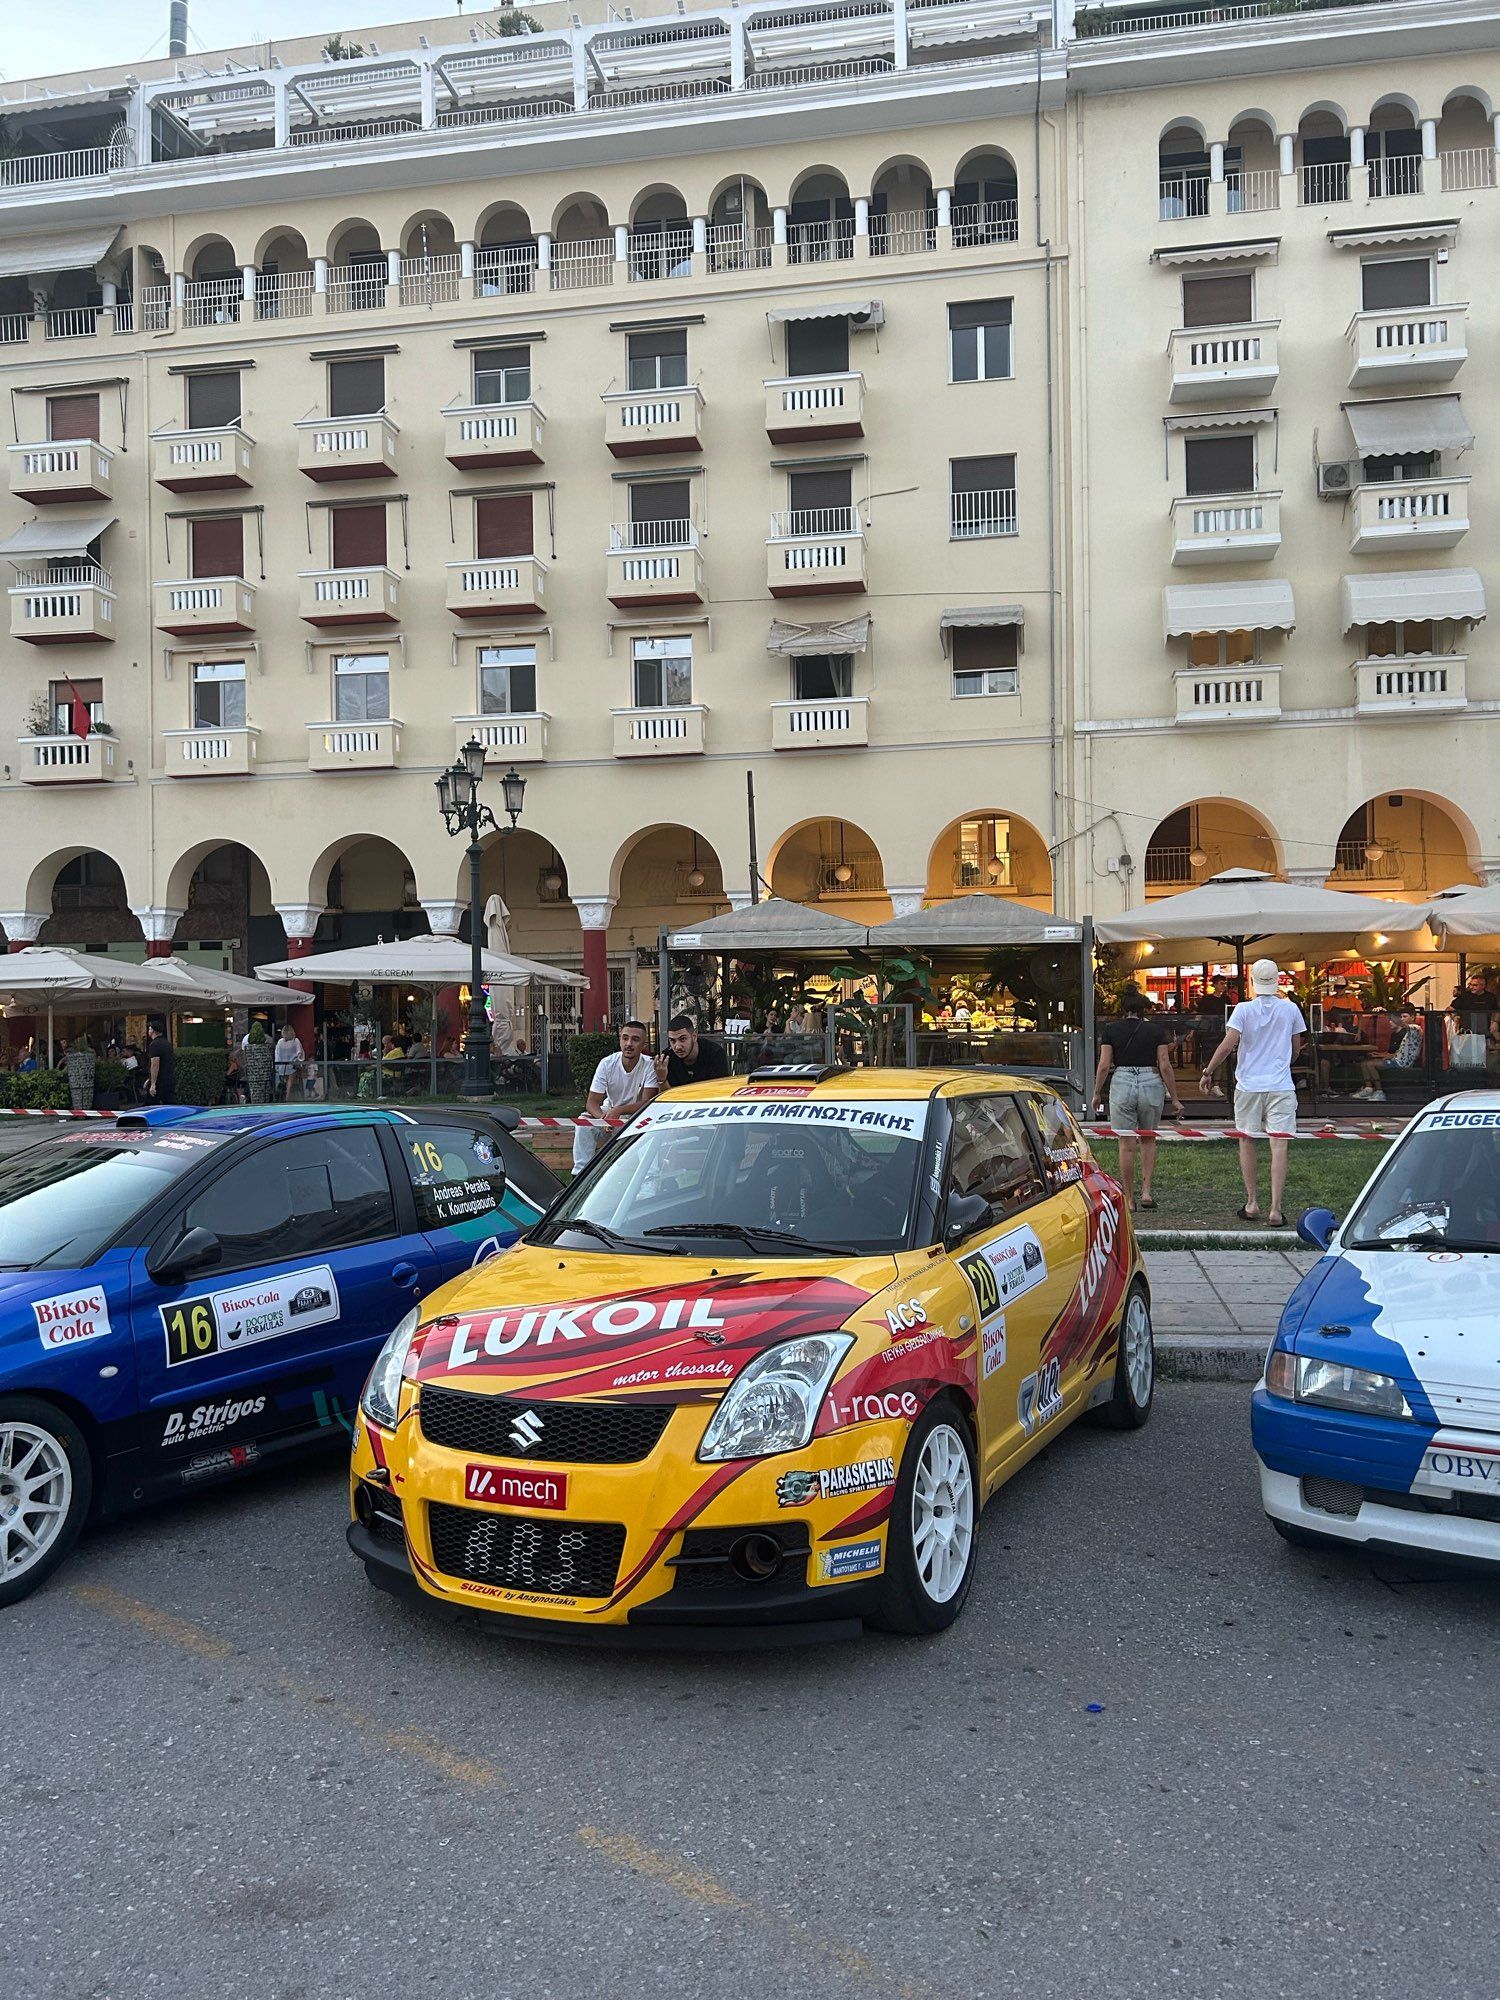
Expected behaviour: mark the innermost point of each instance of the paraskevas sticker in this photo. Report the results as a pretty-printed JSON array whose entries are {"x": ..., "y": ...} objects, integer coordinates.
[{"x": 833, "y": 1482}]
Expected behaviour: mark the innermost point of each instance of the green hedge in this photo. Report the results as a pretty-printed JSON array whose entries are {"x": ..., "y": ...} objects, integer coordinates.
[
  {"x": 34, "y": 1090},
  {"x": 200, "y": 1076},
  {"x": 110, "y": 1075},
  {"x": 586, "y": 1052}
]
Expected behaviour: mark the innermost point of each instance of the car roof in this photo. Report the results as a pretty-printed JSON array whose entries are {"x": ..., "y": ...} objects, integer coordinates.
[
  {"x": 236, "y": 1120},
  {"x": 884, "y": 1084},
  {"x": 1463, "y": 1100}
]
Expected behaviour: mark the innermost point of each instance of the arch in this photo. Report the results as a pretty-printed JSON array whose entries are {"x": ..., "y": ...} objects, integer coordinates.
[
  {"x": 820, "y": 183},
  {"x": 289, "y": 247},
  {"x": 1174, "y": 135},
  {"x": 1203, "y": 837},
  {"x": 1252, "y": 117},
  {"x": 1470, "y": 93},
  {"x": 580, "y": 217},
  {"x": 903, "y": 208},
  {"x": 1323, "y": 119},
  {"x": 367, "y": 880},
  {"x": 178, "y": 892},
  {"x": 1406, "y": 843},
  {"x": 728, "y": 187},
  {"x": 1403, "y": 110},
  {"x": 808, "y": 861},
  {"x": 503, "y": 222},
  {"x": 439, "y": 240},
  {"x": 902, "y": 167},
  {"x": 658, "y": 203},
  {"x": 43, "y": 879},
  {"x": 224, "y": 891},
  {"x": 655, "y": 869},
  {"x": 210, "y": 256},
  {"x": 990, "y": 851},
  {"x": 352, "y": 239}
]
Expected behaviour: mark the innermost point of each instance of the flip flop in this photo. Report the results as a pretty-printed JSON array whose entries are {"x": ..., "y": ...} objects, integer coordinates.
[
  {"x": 1248, "y": 1214},
  {"x": 1146, "y": 1201},
  {"x": 1274, "y": 1221}
]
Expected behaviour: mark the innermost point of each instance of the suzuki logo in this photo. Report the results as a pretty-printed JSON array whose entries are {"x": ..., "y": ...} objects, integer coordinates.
[{"x": 525, "y": 1430}]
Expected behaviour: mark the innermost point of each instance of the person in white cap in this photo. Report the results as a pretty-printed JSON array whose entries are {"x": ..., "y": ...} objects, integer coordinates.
[{"x": 1263, "y": 1034}]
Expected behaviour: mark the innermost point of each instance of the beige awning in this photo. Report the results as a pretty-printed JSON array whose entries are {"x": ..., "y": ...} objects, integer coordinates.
[
  {"x": 863, "y": 309},
  {"x": 1219, "y": 420},
  {"x": 1228, "y": 607},
  {"x": 1408, "y": 423},
  {"x": 983, "y": 617},
  {"x": 1403, "y": 594},
  {"x": 1218, "y": 253},
  {"x": 39, "y": 541},
  {"x": 838, "y": 635},
  {"x": 1383, "y": 239},
  {"x": 57, "y": 250}
]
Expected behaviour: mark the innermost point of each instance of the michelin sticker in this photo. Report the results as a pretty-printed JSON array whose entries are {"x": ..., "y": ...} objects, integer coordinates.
[
  {"x": 1004, "y": 1270},
  {"x": 239, "y": 1315},
  {"x": 853, "y": 1559},
  {"x": 72, "y": 1317}
]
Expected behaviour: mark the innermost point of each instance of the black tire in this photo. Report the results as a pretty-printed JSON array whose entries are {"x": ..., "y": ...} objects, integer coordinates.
[
  {"x": 906, "y": 1604},
  {"x": 1304, "y": 1538},
  {"x": 1125, "y": 1410},
  {"x": 28, "y": 1425}
]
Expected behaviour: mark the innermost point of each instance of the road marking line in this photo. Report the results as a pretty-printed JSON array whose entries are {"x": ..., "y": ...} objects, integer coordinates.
[
  {"x": 628, "y": 1852},
  {"x": 160, "y": 1624}
]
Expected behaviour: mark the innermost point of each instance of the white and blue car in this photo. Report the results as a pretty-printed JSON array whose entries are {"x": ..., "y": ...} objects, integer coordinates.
[{"x": 1377, "y": 1420}]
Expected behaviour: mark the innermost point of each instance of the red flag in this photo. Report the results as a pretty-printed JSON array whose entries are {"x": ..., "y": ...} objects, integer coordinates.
[{"x": 79, "y": 719}]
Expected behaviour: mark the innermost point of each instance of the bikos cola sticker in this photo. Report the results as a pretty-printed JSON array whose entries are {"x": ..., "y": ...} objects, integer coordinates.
[
  {"x": 72, "y": 1317},
  {"x": 239, "y": 1315}
]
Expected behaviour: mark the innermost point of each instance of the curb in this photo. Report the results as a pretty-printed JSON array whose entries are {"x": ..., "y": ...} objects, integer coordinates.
[{"x": 1210, "y": 1357}]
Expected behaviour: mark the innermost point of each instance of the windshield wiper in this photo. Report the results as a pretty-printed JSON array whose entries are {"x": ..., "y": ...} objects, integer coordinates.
[
  {"x": 610, "y": 1238},
  {"x": 748, "y": 1233},
  {"x": 1422, "y": 1239}
]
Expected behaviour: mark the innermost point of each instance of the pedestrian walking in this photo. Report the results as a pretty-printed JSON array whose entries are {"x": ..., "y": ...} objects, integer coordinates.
[
  {"x": 1264, "y": 1035},
  {"x": 622, "y": 1082},
  {"x": 289, "y": 1056},
  {"x": 161, "y": 1065},
  {"x": 1136, "y": 1065}
]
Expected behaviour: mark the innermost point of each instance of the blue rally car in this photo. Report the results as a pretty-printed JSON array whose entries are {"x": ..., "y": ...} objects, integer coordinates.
[
  {"x": 187, "y": 1294},
  {"x": 1377, "y": 1421}
]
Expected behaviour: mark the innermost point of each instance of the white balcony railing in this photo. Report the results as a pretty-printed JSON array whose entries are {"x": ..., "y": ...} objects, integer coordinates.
[
  {"x": 507, "y": 739},
  {"x": 1238, "y": 527},
  {"x": 1225, "y": 694},
  {"x": 820, "y": 725},
  {"x": 73, "y": 322},
  {"x": 357, "y": 287},
  {"x": 73, "y": 601},
  {"x": 661, "y": 253},
  {"x": 1410, "y": 683},
  {"x": 652, "y": 535},
  {"x": 976, "y": 515},
  {"x": 797, "y": 521},
  {"x": 353, "y": 746},
  {"x": 347, "y": 596},
  {"x": 637, "y": 422},
  {"x": 1182, "y": 196},
  {"x": 505, "y": 269},
  {"x": 733, "y": 247},
  {"x": 1400, "y": 174},
  {"x": 1252, "y": 190},
  {"x": 976, "y": 223},
  {"x": 432, "y": 281},
  {"x": 283, "y": 295},
  {"x": 214, "y": 302},
  {"x": 1324, "y": 181},
  {"x": 659, "y": 732},
  {"x": 15, "y": 329},
  {"x": 576, "y": 266},
  {"x": 1467, "y": 167},
  {"x": 1426, "y": 513},
  {"x": 507, "y": 583},
  {"x": 1220, "y": 361},
  {"x": 210, "y": 753},
  {"x": 347, "y": 447},
  {"x": 1407, "y": 344},
  {"x": 67, "y": 760},
  {"x": 206, "y": 604},
  {"x": 80, "y": 164}
]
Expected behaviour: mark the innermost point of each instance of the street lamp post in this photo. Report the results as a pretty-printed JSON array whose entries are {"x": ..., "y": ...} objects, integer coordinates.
[{"x": 459, "y": 803}]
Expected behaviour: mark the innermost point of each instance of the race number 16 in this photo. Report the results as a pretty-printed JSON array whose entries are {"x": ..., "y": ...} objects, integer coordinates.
[{"x": 190, "y": 1330}]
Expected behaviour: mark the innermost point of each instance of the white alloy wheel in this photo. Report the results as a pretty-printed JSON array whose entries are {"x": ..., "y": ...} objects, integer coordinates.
[
  {"x": 1140, "y": 1354},
  {"x": 36, "y": 1495},
  {"x": 942, "y": 1513}
]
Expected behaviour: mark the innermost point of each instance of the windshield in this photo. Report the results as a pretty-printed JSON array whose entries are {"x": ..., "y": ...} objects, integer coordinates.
[
  {"x": 695, "y": 1179},
  {"x": 1440, "y": 1187},
  {"x": 62, "y": 1201}
]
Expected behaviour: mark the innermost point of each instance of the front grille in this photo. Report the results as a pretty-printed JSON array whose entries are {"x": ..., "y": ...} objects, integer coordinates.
[
  {"x": 556, "y": 1558},
  {"x": 386, "y": 1523},
  {"x": 1472, "y": 1506},
  {"x": 703, "y": 1563},
  {"x": 1333, "y": 1496},
  {"x": 570, "y": 1433}
]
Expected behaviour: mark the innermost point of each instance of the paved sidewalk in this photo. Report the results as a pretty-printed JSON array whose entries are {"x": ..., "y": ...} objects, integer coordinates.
[{"x": 1216, "y": 1310}]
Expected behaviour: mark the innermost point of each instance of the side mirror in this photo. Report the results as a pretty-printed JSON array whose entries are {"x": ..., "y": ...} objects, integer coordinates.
[
  {"x": 195, "y": 1250},
  {"x": 1316, "y": 1226},
  {"x": 966, "y": 1213}
]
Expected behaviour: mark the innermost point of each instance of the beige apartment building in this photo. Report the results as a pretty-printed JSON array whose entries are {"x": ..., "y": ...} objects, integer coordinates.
[{"x": 1034, "y": 452}]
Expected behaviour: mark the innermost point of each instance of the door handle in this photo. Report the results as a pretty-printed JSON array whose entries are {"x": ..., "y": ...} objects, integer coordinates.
[{"x": 404, "y": 1273}]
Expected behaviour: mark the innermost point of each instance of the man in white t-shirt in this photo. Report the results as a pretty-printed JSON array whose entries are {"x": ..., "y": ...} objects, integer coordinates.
[
  {"x": 1263, "y": 1034},
  {"x": 621, "y": 1085}
]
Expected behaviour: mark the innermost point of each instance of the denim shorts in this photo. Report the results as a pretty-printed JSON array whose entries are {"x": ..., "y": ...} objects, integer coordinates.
[{"x": 1136, "y": 1097}]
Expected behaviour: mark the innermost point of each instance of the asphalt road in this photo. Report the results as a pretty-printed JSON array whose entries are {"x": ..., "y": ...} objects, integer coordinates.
[{"x": 231, "y": 1766}]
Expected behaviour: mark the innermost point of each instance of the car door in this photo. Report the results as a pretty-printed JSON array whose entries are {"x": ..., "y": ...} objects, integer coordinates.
[
  {"x": 256, "y": 1353},
  {"x": 1064, "y": 1151},
  {"x": 472, "y": 1198},
  {"x": 1014, "y": 1259}
]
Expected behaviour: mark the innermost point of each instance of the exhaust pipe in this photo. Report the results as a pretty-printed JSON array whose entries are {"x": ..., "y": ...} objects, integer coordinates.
[
  {"x": 177, "y": 29},
  {"x": 755, "y": 1557}
]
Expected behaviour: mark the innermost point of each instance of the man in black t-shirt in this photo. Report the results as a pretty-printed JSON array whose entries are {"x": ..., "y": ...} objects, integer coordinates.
[
  {"x": 690, "y": 1059},
  {"x": 161, "y": 1066}
]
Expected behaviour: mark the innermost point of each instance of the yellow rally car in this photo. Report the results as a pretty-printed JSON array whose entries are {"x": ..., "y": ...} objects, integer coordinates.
[{"x": 761, "y": 1365}]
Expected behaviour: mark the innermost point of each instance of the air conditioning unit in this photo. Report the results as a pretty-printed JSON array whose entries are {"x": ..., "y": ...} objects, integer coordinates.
[
  {"x": 869, "y": 320},
  {"x": 1336, "y": 479}
]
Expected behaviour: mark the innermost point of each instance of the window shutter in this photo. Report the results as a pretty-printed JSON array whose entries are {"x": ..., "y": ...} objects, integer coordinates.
[
  {"x": 356, "y": 388},
  {"x": 217, "y": 547},
  {"x": 1220, "y": 465},
  {"x": 1402, "y": 281},
  {"x": 660, "y": 500},
  {"x": 979, "y": 312},
  {"x": 1223, "y": 301},
  {"x": 502, "y": 526},
  {"x": 358, "y": 539},
  {"x": 213, "y": 400},
  {"x": 70, "y": 417}
]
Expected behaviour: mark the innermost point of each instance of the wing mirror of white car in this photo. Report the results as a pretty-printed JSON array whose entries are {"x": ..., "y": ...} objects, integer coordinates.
[{"x": 1316, "y": 1226}]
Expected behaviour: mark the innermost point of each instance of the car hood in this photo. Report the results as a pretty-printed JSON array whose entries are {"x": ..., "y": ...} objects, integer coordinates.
[
  {"x": 1430, "y": 1317},
  {"x": 551, "y": 1324}
]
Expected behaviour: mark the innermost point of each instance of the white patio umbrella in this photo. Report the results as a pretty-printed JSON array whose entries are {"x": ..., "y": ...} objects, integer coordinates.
[
  {"x": 502, "y": 1008},
  {"x": 1467, "y": 913},
  {"x": 93, "y": 983},
  {"x": 211, "y": 987}
]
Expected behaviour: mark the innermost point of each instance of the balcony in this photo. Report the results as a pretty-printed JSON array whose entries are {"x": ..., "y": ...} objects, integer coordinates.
[
  {"x": 1227, "y": 527},
  {"x": 659, "y": 732},
  {"x": 1409, "y": 514},
  {"x": 1228, "y": 694},
  {"x": 507, "y": 739},
  {"x": 1411, "y": 684},
  {"x": 820, "y": 725},
  {"x": 73, "y": 604},
  {"x": 982, "y": 512},
  {"x": 347, "y": 448},
  {"x": 800, "y": 408},
  {"x": 503, "y": 584},
  {"x": 210, "y": 753},
  {"x": 661, "y": 420},
  {"x": 483, "y": 434},
  {"x": 350, "y": 596},
  {"x": 1407, "y": 344},
  {"x": 654, "y": 562},
  {"x": 202, "y": 461},
  {"x": 206, "y": 604},
  {"x": 353, "y": 746},
  {"x": 78, "y": 470},
  {"x": 1210, "y": 363},
  {"x": 67, "y": 760},
  {"x": 815, "y": 551}
]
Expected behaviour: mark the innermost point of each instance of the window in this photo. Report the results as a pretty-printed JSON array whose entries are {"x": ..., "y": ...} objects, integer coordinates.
[
  {"x": 1392, "y": 641},
  {"x": 361, "y": 687},
  {"x": 357, "y": 537},
  {"x": 502, "y": 374},
  {"x": 1222, "y": 649},
  {"x": 218, "y": 694},
  {"x": 817, "y": 346},
  {"x": 502, "y": 526},
  {"x": 984, "y": 660},
  {"x": 820, "y": 502},
  {"x": 216, "y": 545},
  {"x": 662, "y": 673},
  {"x": 213, "y": 401},
  {"x": 1062, "y": 1143},
  {"x": 1409, "y": 465},
  {"x": 982, "y": 853},
  {"x": 71, "y": 417},
  {"x": 1395, "y": 281},
  {"x": 1219, "y": 464},
  {"x": 1223, "y": 301},
  {"x": 456, "y": 1173},
  {"x": 661, "y": 513},
  {"x": 507, "y": 680},
  {"x": 983, "y": 496},
  {"x": 64, "y": 694},
  {"x": 991, "y": 1161},
  {"x": 979, "y": 341},
  {"x": 823, "y": 677},
  {"x": 657, "y": 360},
  {"x": 305, "y": 1195},
  {"x": 356, "y": 388}
]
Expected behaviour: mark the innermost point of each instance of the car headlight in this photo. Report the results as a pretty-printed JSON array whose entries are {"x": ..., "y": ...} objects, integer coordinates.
[
  {"x": 773, "y": 1404},
  {"x": 1335, "y": 1385},
  {"x": 382, "y": 1393}
]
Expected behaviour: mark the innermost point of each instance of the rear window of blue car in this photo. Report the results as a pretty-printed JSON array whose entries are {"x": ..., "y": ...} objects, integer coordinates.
[{"x": 63, "y": 1200}]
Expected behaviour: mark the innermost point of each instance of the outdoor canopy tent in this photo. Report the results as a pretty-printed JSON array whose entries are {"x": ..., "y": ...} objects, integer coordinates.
[
  {"x": 974, "y": 920},
  {"x": 772, "y": 925}
]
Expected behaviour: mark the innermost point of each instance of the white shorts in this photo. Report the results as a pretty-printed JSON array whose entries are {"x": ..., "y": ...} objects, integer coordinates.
[
  {"x": 1265, "y": 1114},
  {"x": 1136, "y": 1097}
]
